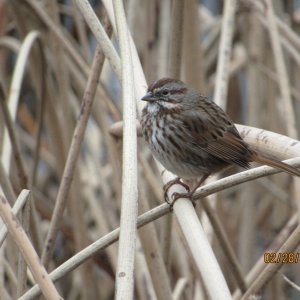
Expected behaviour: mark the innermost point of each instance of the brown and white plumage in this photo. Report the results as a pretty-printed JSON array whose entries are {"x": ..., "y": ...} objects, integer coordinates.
[{"x": 192, "y": 136}]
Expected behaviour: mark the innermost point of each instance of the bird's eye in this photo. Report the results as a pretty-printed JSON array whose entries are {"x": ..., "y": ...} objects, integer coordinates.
[{"x": 165, "y": 92}]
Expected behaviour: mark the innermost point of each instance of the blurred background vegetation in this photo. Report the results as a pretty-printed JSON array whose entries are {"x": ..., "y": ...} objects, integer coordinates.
[{"x": 46, "y": 51}]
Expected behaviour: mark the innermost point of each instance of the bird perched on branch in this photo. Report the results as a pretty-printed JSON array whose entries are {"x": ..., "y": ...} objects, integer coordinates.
[{"x": 193, "y": 137}]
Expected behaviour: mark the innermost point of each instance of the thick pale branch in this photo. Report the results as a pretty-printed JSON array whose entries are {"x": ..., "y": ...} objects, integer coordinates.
[{"x": 125, "y": 269}]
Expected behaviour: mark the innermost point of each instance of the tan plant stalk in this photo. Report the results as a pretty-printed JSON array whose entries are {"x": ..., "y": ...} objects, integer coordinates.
[
  {"x": 24, "y": 244},
  {"x": 220, "y": 95},
  {"x": 125, "y": 268},
  {"x": 73, "y": 155}
]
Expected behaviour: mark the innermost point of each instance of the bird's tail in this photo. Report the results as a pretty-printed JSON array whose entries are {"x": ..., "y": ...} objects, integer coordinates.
[{"x": 276, "y": 164}]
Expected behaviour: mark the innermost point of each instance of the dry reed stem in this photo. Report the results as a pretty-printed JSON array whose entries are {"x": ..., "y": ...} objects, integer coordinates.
[
  {"x": 285, "y": 42},
  {"x": 271, "y": 269},
  {"x": 225, "y": 244},
  {"x": 62, "y": 79},
  {"x": 139, "y": 77},
  {"x": 174, "y": 71},
  {"x": 13, "y": 143},
  {"x": 291, "y": 50},
  {"x": 179, "y": 253},
  {"x": 192, "y": 57},
  {"x": 227, "y": 29},
  {"x": 82, "y": 65},
  {"x": 281, "y": 70},
  {"x": 248, "y": 211},
  {"x": 259, "y": 266},
  {"x": 99, "y": 116},
  {"x": 100, "y": 35},
  {"x": 104, "y": 225},
  {"x": 181, "y": 284},
  {"x": 283, "y": 83},
  {"x": 40, "y": 118},
  {"x": 239, "y": 178},
  {"x": 276, "y": 191},
  {"x": 24, "y": 244},
  {"x": 291, "y": 283},
  {"x": 284, "y": 29},
  {"x": 14, "y": 93},
  {"x": 6, "y": 186},
  {"x": 164, "y": 29},
  {"x": 10, "y": 273},
  {"x": 82, "y": 34},
  {"x": 154, "y": 253},
  {"x": 152, "y": 180},
  {"x": 20, "y": 202},
  {"x": 201, "y": 250},
  {"x": 73, "y": 154},
  {"x": 210, "y": 48},
  {"x": 126, "y": 254},
  {"x": 175, "y": 57},
  {"x": 274, "y": 77},
  {"x": 142, "y": 281},
  {"x": 238, "y": 62},
  {"x": 10, "y": 43},
  {"x": 138, "y": 73},
  {"x": 36, "y": 7}
]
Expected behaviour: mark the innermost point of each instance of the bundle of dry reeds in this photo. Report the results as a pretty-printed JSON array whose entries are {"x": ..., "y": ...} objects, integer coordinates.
[{"x": 76, "y": 178}]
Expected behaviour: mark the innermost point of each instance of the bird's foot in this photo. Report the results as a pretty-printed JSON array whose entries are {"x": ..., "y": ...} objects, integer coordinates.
[
  {"x": 188, "y": 195},
  {"x": 168, "y": 185}
]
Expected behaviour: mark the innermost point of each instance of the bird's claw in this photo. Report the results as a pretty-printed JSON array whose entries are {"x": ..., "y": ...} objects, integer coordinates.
[
  {"x": 175, "y": 196},
  {"x": 168, "y": 185}
]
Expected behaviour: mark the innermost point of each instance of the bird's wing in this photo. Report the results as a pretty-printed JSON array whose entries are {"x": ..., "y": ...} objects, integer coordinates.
[{"x": 218, "y": 137}]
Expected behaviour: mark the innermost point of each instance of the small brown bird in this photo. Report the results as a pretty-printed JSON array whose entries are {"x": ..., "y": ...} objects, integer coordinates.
[{"x": 193, "y": 137}]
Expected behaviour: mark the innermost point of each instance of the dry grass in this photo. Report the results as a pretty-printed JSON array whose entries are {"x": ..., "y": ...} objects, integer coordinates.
[{"x": 70, "y": 176}]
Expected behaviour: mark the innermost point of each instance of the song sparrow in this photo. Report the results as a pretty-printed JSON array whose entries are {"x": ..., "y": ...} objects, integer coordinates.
[{"x": 193, "y": 137}]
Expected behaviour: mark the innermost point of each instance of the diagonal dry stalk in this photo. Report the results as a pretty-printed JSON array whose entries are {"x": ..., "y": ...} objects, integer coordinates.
[
  {"x": 24, "y": 244},
  {"x": 73, "y": 155}
]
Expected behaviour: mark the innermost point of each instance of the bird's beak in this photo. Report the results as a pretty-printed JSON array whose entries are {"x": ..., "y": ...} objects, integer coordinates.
[{"x": 149, "y": 97}]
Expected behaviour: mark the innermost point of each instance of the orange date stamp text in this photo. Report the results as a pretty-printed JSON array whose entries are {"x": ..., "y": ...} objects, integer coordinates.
[{"x": 281, "y": 258}]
